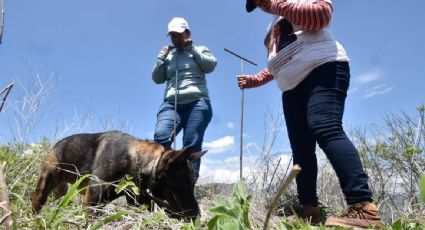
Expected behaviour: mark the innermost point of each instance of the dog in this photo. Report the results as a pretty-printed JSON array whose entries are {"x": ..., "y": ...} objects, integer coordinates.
[{"x": 163, "y": 175}]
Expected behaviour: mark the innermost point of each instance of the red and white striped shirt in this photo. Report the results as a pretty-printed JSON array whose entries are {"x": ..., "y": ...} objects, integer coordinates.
[
  {"x": 259, "y": 79},
  {"x": 313, "y": 15},
  {"x": 307, "y": 15}
]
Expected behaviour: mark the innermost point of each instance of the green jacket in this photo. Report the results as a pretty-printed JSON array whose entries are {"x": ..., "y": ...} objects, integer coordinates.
[{"x": 193, "y": 63}]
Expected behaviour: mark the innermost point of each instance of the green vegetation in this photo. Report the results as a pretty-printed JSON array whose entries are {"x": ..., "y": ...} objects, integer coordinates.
[
  {"x": 393, "y": 157},
  {"x": 232, "y": 213},
  {"x": 227, "y": 212}
]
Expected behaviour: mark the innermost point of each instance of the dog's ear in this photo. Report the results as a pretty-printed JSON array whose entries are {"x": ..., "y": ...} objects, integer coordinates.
[
  {"x": 186, "y": 154},
  {"x": 183, "y": 154},
  {"x": 197, "y": 155}
]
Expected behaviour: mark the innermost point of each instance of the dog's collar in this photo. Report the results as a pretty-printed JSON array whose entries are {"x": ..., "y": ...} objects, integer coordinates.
[
  {"x": 161, "y": 203},
  {"x": 153, "y": 175}
]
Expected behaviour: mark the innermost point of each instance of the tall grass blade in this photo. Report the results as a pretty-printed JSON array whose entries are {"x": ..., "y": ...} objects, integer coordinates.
[
  {"x": 108, "y": 219},
  {"x": 70, "y": 195}
]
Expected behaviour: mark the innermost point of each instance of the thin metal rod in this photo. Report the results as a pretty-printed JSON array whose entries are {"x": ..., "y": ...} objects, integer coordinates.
[
  {"x": 242, "y": 59},
  {"x": 1, "y": 19},
  {"x": 241, "y": 130},
  {"x": 237, "y": 55},
  {"x": 175, "y": 103}
]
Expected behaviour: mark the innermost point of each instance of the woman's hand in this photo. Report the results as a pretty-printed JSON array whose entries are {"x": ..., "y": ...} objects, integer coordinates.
[
  {"x": 242, "y": 81},
  {"x": 187, "y": 42},
  {"x": 167, "y": 49}
]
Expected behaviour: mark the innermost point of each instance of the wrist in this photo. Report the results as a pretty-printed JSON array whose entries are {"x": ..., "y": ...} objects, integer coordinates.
[{"x": 163, "y": 53}]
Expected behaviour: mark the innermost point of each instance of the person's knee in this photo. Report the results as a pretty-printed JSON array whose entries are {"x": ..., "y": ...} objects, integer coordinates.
[
  {"x": 193, "y": 140},
  {"x": 325, "y": 129},
  {"x": 162, "y": 138}
]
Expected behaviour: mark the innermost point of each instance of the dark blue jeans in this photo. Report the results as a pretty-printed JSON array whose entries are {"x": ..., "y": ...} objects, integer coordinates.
[
  {"x": 313, "y": 113},
  {"x": 192, "y": 117}
]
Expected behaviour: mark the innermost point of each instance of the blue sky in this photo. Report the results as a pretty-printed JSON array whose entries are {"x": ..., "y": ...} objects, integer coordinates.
[{"x": 101, "y": 53}]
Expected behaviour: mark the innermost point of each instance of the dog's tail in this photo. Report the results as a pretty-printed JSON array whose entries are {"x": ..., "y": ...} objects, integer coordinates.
[{"x": 48, "y": 179}]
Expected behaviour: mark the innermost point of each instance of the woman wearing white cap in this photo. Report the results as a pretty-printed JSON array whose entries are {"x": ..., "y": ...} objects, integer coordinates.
[
  {"x": 311, "y": 68},
  {"x": 186, "y": 105}
]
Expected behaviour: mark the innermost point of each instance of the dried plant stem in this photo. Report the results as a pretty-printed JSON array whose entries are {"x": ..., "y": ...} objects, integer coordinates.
[
  {"x": 294, "y": 172},
  {"x": 4, "y": 200}
]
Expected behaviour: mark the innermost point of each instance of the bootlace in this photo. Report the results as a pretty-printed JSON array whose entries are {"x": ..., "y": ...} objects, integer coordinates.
[{"x": 354, "y": 211}]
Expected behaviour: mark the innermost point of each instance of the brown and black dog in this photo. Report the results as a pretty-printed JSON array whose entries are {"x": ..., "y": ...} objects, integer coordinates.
[{"x": 162, "y": 174}]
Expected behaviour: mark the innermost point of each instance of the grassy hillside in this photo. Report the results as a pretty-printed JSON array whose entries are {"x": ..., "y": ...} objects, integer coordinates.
[
  {"x": 223, "y": 206},
  {"x": 393, "y": 157}
]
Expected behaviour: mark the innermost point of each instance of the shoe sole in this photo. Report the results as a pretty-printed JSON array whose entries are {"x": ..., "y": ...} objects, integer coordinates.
[{"x": 351, "y": 227}]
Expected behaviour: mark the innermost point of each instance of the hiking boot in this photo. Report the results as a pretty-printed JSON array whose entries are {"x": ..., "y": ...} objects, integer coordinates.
[
  {"x": 310, "y": 214},
  {"x": 360, "y": 215}
]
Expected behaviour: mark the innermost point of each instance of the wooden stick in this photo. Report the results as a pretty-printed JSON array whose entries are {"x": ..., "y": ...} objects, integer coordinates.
[
  {"x": 294, "y": 172},
  {"x": 274, "y": 173},
  {"x": 4, "y": 200}
]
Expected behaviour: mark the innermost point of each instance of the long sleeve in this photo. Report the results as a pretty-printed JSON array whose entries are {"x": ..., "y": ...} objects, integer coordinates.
[
  {"x": 312, "y": 16},
  {"x": 159, "y": 74},
  {"x": 259, "y": 79},
  {"x": 203, "y": 57}
]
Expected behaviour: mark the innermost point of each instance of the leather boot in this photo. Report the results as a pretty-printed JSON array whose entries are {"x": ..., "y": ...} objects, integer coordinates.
[{"x": 360, "y": 215}]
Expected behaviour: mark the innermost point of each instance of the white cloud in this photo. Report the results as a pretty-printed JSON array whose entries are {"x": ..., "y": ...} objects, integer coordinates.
[
  {"x": 377, "y": 90},
  {"x": 371, "y": 84},
  {"x": 369, "y": 77},
  {"x": 209, "y": 161},
  {"x": 285, "y": 159},
  {"x": 221, "y": 145},
  {"x": 217, "y": 175},
  {"x": 230, "y": 125},
  {"x": 227, "y": 170},
  {"x": 228, "y": 173}
]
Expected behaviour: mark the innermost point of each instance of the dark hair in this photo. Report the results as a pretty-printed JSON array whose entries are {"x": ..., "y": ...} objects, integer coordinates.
[
  {"x": 267, "y": 39},
  {"x": 250, "y": 6},
  {"x": 285, "y": 27}
]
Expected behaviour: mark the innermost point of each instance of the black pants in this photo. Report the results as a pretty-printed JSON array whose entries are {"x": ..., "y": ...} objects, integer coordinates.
[{"x": 313, "y": 113}]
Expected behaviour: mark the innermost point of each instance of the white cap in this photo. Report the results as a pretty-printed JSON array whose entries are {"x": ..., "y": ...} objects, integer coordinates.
[{"x": 178, "y": 25}]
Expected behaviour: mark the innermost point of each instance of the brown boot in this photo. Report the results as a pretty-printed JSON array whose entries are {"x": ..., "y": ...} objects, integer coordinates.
[
  {"x": 360, "y": 215},
  {"x": 310, "y": 214}
]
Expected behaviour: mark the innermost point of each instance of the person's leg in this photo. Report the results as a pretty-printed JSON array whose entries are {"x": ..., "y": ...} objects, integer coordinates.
[
  {"x": 165, "y": 124},
  {"x": 195, "y": 120},
  {"x": 327, "y": 86},
  {"x": 302, "y": 143}
]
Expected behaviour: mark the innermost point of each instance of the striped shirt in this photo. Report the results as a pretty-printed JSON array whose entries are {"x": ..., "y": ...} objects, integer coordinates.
[{"x": 308, "y": 15}]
